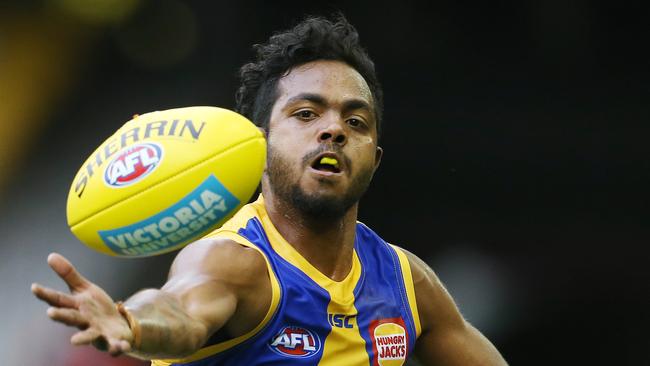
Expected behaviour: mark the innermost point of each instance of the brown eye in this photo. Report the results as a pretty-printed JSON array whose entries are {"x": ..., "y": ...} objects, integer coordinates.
[
  {"x": 305, "y": 115},
  {"x": 354, "y": 122}
]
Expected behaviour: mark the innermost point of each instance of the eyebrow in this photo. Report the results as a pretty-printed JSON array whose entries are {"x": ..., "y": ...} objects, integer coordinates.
[{"x": 348, "y": 105}]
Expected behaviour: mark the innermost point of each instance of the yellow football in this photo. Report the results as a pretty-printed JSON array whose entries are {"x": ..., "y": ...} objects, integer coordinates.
[{"x": 165, "y": 179}]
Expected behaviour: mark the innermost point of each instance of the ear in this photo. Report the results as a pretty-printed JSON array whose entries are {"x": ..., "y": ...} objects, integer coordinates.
[{"x": 378, "y": 154}]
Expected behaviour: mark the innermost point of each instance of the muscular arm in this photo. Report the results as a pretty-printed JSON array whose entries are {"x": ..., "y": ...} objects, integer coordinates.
[
  {"x": 209, "y": 283},
  {"x": 446, "y": 339},
  {"x": 200, "y": 295}
]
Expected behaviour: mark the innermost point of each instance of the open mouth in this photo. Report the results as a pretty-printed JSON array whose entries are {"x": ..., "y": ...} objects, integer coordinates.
[{"x": 327, "y": 163}]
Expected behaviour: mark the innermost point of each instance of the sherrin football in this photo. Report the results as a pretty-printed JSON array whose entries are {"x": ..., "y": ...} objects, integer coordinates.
[{"x": 165, "y": 179}]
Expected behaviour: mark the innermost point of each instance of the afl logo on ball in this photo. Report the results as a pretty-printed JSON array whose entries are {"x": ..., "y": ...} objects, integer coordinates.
[
  {"x": 132, "y": 164},
  {"x": 295, "y": 342}
]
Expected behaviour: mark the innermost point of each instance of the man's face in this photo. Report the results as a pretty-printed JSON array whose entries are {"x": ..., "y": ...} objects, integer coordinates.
[{"x": 322, "y": 139}]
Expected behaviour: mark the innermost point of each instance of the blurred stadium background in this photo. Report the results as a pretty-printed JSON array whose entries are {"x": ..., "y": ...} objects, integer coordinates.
[{"x": 516, "y": 153}]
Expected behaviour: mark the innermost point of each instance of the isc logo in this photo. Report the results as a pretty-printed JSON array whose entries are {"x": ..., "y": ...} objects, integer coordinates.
[
  {"x": 132, "y": 164},
  {"x": 340, "y": 320},
  {"x": 295, "y": 342}
]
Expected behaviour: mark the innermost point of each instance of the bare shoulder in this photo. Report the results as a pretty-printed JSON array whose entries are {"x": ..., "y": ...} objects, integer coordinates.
[
  {"x": 220, "y": 258},
  {"x": 446, "y": 339},
  {"x": 435, "y": 304},
  {"x": 424, "y": 278},
  {"x": 223, "y": 283},
  {"x": 422, "y": 273}
]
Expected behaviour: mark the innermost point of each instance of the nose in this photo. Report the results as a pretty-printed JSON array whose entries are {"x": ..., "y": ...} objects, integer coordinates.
[{"x": 333, "y": 132}]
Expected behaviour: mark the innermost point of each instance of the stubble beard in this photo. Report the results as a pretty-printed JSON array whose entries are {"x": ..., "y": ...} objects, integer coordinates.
[{"x": 313, "y": 206}]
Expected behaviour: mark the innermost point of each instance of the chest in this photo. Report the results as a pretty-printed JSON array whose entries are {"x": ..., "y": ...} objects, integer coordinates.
[{"x": 367, "y": 324}]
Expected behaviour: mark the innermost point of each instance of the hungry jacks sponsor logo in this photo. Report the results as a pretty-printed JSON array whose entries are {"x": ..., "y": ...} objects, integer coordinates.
[{"x": 389, "y": 342}]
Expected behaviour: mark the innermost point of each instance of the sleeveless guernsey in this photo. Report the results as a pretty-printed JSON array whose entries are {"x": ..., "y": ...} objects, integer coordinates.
[{"x": 370, "y": 318}]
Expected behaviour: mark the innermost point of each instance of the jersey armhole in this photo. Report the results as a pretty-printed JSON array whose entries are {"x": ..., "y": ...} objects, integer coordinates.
[
  {"x": 222, "y": 346},
  {"x": 410, "y": 288}
]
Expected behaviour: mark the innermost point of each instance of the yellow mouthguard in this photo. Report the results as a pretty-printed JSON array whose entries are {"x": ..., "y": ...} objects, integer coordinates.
[{"x": 329, "y": 161}]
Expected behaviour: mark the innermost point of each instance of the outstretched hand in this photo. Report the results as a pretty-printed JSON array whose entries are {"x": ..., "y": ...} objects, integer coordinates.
[{"x": 87, "y": 307}]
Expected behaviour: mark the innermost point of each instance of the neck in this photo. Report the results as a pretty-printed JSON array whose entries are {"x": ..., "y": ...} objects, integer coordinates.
[{"x": 326, "y": 244}]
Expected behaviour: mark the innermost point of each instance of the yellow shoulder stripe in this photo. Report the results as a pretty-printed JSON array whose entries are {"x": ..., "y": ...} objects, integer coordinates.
[{"x": 410, "y": 288}]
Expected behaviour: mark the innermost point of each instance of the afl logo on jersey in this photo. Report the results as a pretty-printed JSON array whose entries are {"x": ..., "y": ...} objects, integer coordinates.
[
  {"x": 132, "y": 164},
  {"x": 389, "y": 342},
  {"x": 295, "y": 342}
]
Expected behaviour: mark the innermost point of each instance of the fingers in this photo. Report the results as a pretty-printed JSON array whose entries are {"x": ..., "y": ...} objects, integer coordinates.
[
  {"x": 84, "y": 337},
  {"x": 71, "y": 317},
  {"x": 66, "y": 271},
  {"x": 53, "y": 297},
  {"x": 118, "y": 346},
  {"x": 113, "y": 346}
]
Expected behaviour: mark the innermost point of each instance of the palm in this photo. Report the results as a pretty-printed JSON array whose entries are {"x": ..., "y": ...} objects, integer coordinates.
[{"x": 87, "y": 307}]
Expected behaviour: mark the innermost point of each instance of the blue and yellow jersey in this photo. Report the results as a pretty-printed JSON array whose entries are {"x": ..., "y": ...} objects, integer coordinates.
[{"x": 369, "y": 318}]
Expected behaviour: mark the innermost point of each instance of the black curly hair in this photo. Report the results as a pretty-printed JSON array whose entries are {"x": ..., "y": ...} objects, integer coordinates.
[{"x": 314, "y": 38}]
